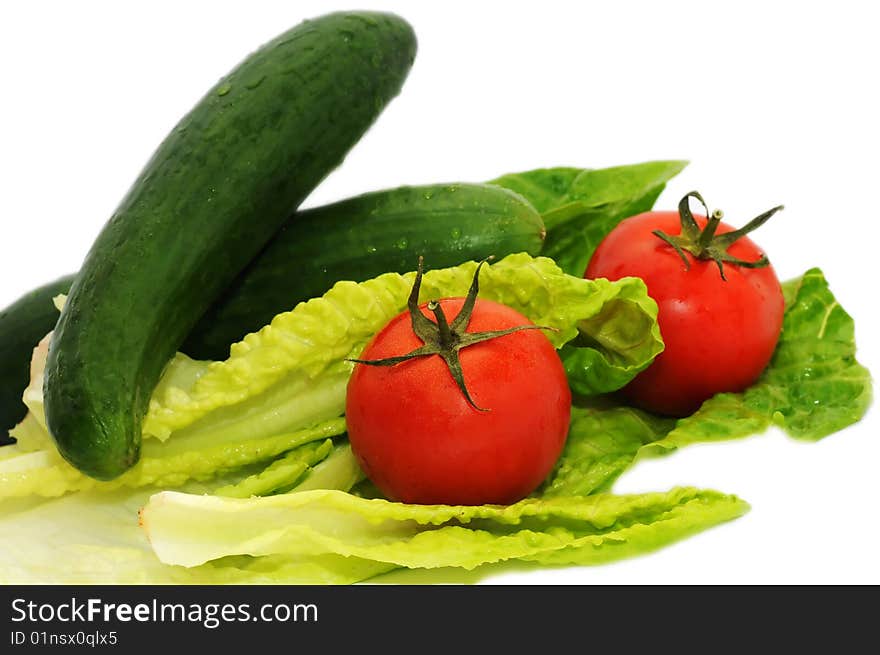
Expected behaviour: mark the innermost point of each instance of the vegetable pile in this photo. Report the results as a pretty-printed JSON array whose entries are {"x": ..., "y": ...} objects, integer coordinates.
[{"x": 333, "y": 413}]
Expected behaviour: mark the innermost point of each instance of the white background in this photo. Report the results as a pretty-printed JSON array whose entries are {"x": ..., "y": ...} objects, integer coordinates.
[{"x": 771, "y": 102}]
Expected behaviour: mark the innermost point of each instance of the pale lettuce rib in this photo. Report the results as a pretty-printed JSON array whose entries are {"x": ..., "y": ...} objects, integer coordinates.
[
  {"x": 31, "y": 433},
  {"x": 93, "y": 538},
  {"x": 339, "y": 471},
  {"x": 190, "y": 530},
  {"x": 195, "y": 457},
  {"x": 283, "y": 472}
]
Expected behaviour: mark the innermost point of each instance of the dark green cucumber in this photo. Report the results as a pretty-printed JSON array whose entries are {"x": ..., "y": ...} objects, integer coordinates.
[
  {"x": 219, "y": 186},
  {"x": 22, "y": 325},
  {"x": 360, "y": 238}
]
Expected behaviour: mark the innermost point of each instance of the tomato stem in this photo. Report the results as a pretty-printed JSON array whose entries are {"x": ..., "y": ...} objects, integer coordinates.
[
  {"x": 443, "y": 338},
  {"x": 444, "y": 333},
  {"x": 705, "y": 244}
]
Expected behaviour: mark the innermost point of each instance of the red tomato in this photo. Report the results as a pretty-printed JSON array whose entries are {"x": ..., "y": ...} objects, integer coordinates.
[
  {"x": 719, "y": 334},
  {"x": 420, "y": 441}
]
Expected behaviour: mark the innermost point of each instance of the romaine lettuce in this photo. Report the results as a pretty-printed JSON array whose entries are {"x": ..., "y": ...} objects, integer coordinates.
[
  {"x": 191, "y": 530},
  {"x": 603, "y": 440},
  {"x": 190, "y": 457},
  {"x": 93, "y": 538},
  {"x": 340, "y": 470},
  {"x": 813, "y": 386},
  {"x": 283, "y": 472}
]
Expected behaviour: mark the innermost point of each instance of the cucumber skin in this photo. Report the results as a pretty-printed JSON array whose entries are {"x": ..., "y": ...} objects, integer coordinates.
[
  {"x": 212, "y": 195},
  {"x": 22, "y": 325},
  {"x": 360, "y": 238}
]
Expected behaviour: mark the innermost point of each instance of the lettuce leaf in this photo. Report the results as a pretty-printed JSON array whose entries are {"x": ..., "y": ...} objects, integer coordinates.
[
  {"x": 33, "y": 466},
  {"x": 93, "y": 538},
  {"x": 340, "y": 470},
  {"x": 581, "y": 206},
  {"x": 191, "y": 530},
  {"x": 283, "y": 472},
  {"x": 294, "y": 370},
  {"x": 813, "y": 386},
  {"x": 602, "y": 443},
  {"x": 614, "y": 344},
  {"x": 190, "y": 457}
]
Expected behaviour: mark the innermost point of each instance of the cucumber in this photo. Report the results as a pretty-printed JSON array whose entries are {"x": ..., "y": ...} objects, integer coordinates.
[
  {"x": 22, "y": 325},
  {"x": 210, "y": 198},
  {"x": 361, "y": 238}
]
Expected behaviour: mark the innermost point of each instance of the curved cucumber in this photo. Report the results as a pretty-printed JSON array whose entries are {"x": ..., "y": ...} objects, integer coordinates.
[
  {"x": 22, "y": 325},
  {"x": 210, "y": 198},
  {"x": 361, "y": 238}
]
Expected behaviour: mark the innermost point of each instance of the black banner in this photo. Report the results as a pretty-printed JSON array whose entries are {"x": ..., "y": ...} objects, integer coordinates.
[{"x": 381, "y": 618}]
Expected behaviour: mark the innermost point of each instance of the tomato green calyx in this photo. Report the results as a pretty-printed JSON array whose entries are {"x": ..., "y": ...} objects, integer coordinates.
[
  {"x": 444, "y": 338},
  {"x": 705, "y": 244}
]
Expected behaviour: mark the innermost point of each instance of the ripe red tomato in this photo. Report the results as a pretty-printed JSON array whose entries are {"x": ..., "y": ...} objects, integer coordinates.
[
  {"x": 420, "y": 441},
  {"x": 719, "y": 333}
]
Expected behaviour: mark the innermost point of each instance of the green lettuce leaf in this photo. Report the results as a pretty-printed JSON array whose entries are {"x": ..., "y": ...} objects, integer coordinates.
[
  {"x": 614, "y": 344},
  {"x": 191, "y": 530},
  {"x": 813, "y": 386},
  {"x": 340, "y": 470},
  {"x": 602, "y": 443},
  {"x": 33, "y": 465},
  {"x": 94, "y": 538},
  {"x": 581, "y": 206},
  {"x": 283, "y": 472},
  {"x": 293, "y": 371}
]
